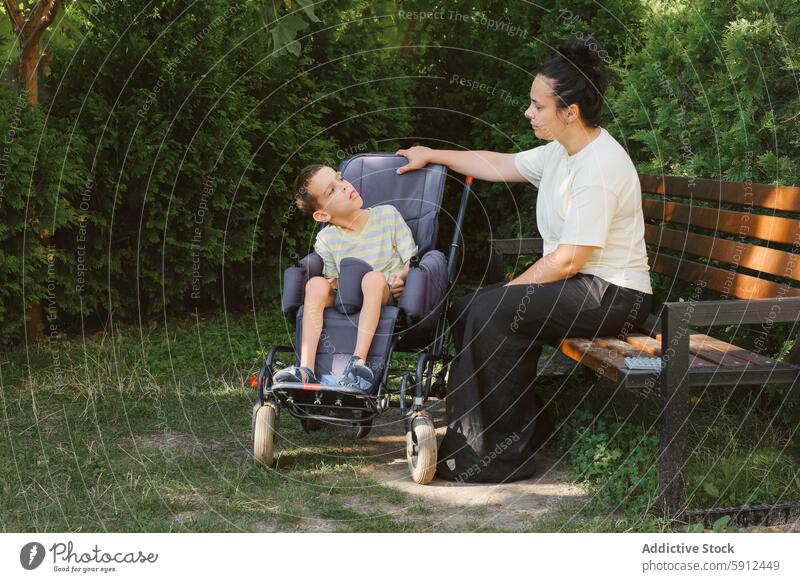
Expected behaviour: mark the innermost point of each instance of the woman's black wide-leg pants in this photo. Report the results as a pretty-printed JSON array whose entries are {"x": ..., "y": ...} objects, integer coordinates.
[{"x": 499, "y": 332}]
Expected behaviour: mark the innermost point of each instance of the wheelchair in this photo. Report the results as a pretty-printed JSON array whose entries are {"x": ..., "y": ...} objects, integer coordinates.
[{"x": 417, "y": 324}]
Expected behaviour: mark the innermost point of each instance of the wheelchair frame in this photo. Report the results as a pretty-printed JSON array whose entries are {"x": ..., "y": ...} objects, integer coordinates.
[{"x": 353, "y": 407}]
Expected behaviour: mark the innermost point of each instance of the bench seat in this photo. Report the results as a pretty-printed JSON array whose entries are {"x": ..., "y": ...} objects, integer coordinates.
[{"x": 711, "y": 362}]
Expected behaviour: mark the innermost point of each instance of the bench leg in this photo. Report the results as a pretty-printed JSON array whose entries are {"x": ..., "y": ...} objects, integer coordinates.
[
  {"x": 674, "y": 418},
  {"x": 674, "y": 456}
]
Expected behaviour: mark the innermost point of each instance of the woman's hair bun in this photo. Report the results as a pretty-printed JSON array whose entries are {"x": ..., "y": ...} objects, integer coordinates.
[
  {"x": 579, "y": 76},
  {"x": 585, "y": 53}
]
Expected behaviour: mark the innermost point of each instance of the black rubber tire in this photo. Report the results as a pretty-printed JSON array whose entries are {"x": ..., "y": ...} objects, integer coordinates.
[
  {"x": 364, "y": 429},
  {"x": 310, "y": 425}
]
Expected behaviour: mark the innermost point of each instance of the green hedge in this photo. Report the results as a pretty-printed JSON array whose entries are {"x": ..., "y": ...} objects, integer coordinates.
[
  {"x": 155, "y": 177},
  {"x": 166, "y": 153}
]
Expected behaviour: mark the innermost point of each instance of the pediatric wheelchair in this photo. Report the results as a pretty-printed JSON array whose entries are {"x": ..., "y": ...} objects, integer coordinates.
[{"x": 417, "y": 324}]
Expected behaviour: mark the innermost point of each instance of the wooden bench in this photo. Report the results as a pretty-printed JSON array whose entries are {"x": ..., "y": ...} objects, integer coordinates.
[{"x": 734, "y": 238}]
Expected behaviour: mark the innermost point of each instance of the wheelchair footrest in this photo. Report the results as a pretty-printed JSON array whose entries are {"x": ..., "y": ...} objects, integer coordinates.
[
  {"x": 330, "y": 402},
  {"x": 296, "y": 387}
]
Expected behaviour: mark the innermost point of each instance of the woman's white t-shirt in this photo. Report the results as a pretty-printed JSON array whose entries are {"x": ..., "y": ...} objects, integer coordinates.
[{"x": 591, "y": 198}]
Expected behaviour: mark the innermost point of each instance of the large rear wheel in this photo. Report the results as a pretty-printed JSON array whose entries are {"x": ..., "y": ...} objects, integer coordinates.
[{"x": 310, "y": 425}]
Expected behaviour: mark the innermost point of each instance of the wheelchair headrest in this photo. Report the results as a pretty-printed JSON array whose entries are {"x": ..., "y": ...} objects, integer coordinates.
[{"x": 417, "y": 195}]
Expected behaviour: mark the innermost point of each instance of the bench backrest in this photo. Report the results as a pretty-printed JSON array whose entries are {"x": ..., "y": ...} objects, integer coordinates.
[{"x": 739, "y": 239}]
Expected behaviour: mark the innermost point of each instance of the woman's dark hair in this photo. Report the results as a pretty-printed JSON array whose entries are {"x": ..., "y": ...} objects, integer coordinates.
[
  {"x": 579, "y": 76},
  {"x": 302, "y": 197}
]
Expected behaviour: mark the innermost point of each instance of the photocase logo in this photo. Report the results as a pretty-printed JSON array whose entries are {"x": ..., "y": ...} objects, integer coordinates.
[{"x": 31, "y": 555}]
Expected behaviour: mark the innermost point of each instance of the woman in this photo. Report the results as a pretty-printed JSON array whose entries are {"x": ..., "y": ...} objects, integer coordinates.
[{"x": 592, "y": 280}]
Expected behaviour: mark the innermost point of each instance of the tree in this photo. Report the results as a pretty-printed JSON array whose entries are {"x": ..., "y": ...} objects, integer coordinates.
[{"x": 29, "y": 26}]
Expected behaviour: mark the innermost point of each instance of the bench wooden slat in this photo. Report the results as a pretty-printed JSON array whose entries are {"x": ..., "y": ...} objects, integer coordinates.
[
  {"x": 715, "y": 351},
  {"x": 606, "y": 356},
  {"x": 605, "y": 362},
  {"x": 748, "y": 356},
  {"x": 621, "y": 347},
  {"x": 763, "y": 195},
  {"x": 769, "y": 228},
  {"x": 517, "y": 246},
  {"x": 725, "y": 281},
  {"x": 643, "y": 347},
  {"x": 723, "y": 353},
  {"x": 653, "y": 346},
  {"x": 754, "y": 257},
  {"x": 706, "y": 352}
]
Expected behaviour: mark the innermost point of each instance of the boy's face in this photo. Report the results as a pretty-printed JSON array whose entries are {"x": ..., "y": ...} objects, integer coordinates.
[{"x": 333, "y": 195}]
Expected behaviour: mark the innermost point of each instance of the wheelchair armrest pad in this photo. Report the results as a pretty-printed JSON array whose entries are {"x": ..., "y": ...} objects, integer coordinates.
[
  {"x": 425, "y": 288},
  {"x": 294, "y": 283}
]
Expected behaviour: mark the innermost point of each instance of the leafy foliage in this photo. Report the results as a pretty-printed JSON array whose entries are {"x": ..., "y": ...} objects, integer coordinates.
[
  {"x": 172, "y": 137},
  {"x": 617, "y": 461},
  {"x": 168, "y": 134}
]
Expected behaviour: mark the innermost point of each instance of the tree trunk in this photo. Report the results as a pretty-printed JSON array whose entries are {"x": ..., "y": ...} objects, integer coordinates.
[
  {"x": 29, "y": 71},
  {"x": 29, "y": 79}
]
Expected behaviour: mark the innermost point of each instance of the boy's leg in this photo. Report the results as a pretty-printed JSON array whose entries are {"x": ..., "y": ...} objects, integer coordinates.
[
  {"x": 376, "y": 294},
  {"x": 319, "y": 295}
]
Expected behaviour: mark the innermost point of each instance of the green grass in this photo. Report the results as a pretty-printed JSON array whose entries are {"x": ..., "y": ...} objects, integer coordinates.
[
  {"x": 171, "y": 461},
  {"x": 150, "y": 431},
  {"x": 740, "y": 451}
]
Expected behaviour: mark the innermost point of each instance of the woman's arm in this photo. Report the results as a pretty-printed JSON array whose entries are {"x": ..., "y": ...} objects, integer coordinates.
[
  {"x": 481, "y": 165},
  {"x": 562, "y": 263}
]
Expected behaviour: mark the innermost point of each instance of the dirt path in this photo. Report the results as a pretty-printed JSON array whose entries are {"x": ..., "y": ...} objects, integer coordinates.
[
  {"x": 505, "y": 506},
  {"x": 517, "y": 506}
]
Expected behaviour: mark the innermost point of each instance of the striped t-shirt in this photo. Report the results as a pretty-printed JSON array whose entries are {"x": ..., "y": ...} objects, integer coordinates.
[{"x": 385, "y": 242}]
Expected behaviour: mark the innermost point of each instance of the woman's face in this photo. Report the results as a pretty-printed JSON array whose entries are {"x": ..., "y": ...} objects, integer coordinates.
[{"x": 548, "y": 121}]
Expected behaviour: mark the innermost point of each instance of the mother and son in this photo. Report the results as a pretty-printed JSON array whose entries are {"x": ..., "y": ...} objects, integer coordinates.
[{"x": 592, "y": 278}]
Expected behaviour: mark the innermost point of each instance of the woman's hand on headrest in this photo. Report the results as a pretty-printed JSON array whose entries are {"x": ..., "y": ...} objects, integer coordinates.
[{"x": 418, "y": 157}]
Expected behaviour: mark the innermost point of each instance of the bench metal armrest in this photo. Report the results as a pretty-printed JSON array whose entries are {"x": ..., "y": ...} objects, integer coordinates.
[
  {"x": 516, "y": 246},
  {"x": 675, "y": 332},
  {"x": 677, "y": 317}
]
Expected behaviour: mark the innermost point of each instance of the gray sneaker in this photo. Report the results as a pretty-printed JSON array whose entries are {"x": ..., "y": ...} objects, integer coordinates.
[
  {"x": 357, "y": 376},
  {"x": 297, "y": 374}
]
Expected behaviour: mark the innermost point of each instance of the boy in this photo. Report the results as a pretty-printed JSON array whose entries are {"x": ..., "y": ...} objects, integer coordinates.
[{"x": 377, "y": 235}]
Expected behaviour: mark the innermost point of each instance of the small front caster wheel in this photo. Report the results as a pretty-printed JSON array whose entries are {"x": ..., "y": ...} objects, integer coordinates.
[
  {"x": 421, "y": 450},
  {"x": 264, "y": 428}
]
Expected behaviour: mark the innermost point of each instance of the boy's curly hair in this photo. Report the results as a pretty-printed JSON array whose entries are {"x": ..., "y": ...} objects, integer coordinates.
[{"x": 303, "y": 199}]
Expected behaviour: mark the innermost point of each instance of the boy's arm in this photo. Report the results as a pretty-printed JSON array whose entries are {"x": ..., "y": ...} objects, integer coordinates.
[
  {"x": 397, "y": 281},
  {"x": 329, "y": 268},
  {"x": 404, "y": 243},
  {"x": 404, "y": 272}
]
